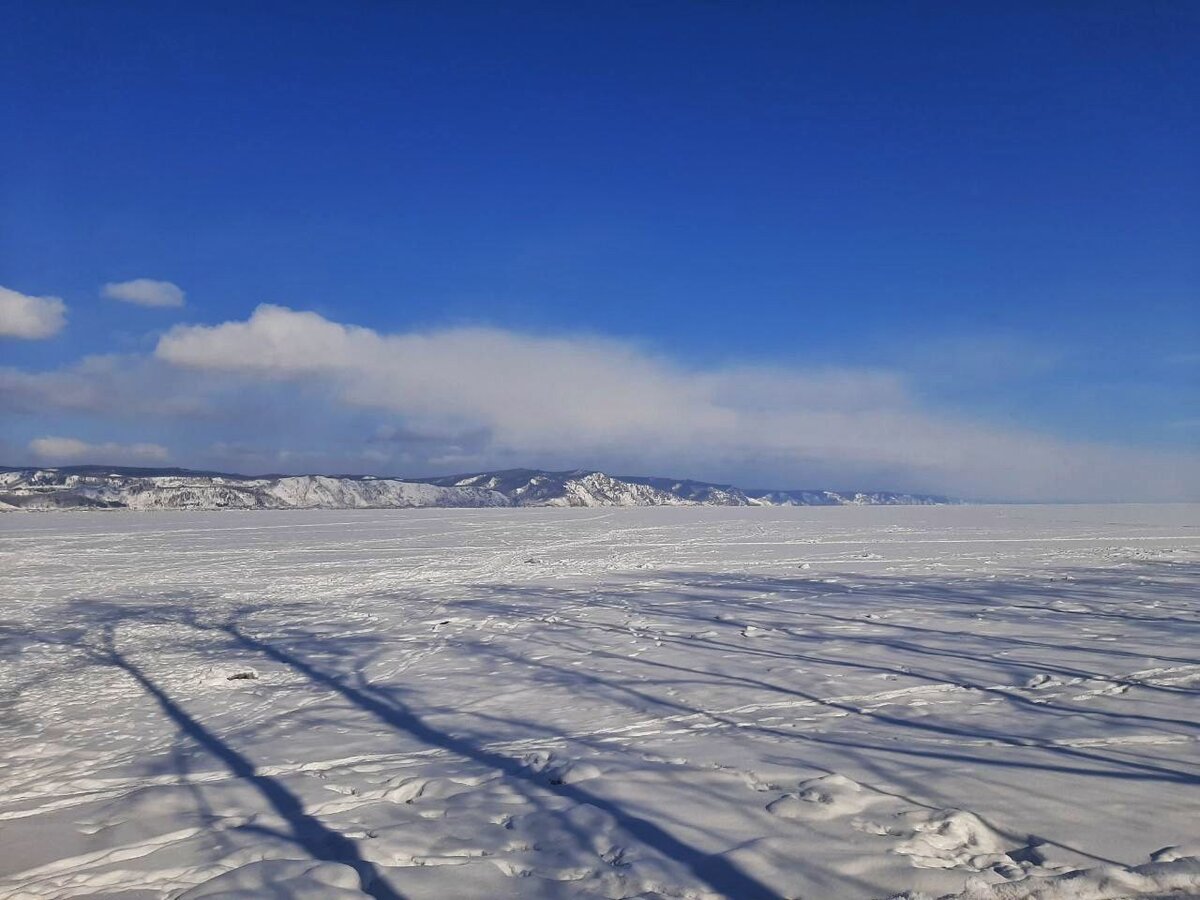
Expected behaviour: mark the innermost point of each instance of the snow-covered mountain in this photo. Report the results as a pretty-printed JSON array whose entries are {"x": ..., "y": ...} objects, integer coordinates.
[
  {"x": 102, "y": 487},
  {"x": 98, "y": 487},
  {"x": 845, "y": 498},
  {"x": 583, "y": 487}
]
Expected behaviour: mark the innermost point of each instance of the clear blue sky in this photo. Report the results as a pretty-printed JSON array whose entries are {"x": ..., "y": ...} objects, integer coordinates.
[{"x": 999, "y": 201}]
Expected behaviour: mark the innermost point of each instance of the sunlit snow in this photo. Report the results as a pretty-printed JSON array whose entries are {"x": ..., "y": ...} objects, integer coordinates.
[{"x": 849, "y": 702}]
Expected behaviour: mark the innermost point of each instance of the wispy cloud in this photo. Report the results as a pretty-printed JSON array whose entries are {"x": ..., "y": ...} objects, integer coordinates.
[
  {"x": 145, "y": 292},
  {"x": 30, "y": 318},
  {"x": 981, "y": 360},
  {"x": 67, "y": 449},
  {"x": 111, "y": 385}
]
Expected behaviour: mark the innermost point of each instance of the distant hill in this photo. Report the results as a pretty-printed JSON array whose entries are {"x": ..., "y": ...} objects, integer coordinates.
[{"x": 121, "y": 487}]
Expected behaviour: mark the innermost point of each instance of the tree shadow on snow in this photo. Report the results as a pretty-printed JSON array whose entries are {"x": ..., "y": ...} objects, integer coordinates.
[
  {"x": 892, "y": 627},
  {"x": 297, "y": 654},
  {"x": 305, "y": 831}
]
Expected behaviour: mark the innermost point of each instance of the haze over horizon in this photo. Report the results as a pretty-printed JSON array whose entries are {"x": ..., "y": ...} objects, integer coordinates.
[{"x": 758, "y": 244}]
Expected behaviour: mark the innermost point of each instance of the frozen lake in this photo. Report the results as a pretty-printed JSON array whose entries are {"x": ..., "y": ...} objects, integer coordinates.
[{"x": 804, "y": 703}]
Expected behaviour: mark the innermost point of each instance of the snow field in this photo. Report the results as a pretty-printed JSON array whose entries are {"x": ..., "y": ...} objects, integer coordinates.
[{"x": 861, "y": 702}]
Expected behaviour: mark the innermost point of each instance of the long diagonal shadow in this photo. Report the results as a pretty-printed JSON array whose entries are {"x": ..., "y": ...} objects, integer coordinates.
[
  {"x": 1141, "y": 771},
  {"x": 316, "y": 839},
  {"x": 719, "y": 873}
]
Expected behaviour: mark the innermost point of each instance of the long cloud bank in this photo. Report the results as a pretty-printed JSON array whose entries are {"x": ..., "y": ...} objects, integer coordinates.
[{"x": 604, "y": 402}]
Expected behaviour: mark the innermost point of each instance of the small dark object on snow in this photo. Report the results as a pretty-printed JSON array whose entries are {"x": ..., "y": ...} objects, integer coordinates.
[{"x": 242, "y": 676}]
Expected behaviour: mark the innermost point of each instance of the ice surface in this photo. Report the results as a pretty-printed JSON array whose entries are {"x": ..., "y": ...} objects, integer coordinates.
[{"x": 988, "y": 703}]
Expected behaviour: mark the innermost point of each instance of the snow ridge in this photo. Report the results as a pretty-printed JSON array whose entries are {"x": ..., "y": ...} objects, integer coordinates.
[{"x": 98, "y": 487}]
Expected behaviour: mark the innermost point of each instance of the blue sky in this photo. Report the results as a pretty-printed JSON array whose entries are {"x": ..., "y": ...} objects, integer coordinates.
[{"x": 995, "y": 208}]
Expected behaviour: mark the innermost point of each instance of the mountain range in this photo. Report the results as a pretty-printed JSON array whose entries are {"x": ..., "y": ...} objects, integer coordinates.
[{"x": 109, "y": 487}]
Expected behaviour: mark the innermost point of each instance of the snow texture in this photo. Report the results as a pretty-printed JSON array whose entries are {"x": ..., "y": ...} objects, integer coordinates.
[{"x": 981, "y": 703}]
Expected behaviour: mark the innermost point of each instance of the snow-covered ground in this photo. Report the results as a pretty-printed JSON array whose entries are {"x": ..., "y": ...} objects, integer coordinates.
[{"x": 812, "y": 702}]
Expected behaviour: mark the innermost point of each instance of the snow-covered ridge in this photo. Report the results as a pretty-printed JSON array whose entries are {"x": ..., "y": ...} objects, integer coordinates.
[
  {"x": 99, "y": 487},
  {"x": 64, "y": 488}
]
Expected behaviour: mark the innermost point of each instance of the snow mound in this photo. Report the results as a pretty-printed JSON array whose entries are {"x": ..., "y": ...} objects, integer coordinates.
[
  {"x": 827, "y": 797},
  {"x": 557, "y": 769},
  {"x": 1177, "y": 879},
  {"x": 282, "y": 879},
  {"x": 953, "y": 838}
]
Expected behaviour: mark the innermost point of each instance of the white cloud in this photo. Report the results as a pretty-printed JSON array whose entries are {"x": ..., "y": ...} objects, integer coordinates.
[
  {"x": 64, "y": 449},
  {"x": 590, "y": 401},
  {"x": 30, "y": 318},
  {"x": 145, "y": 292}
]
